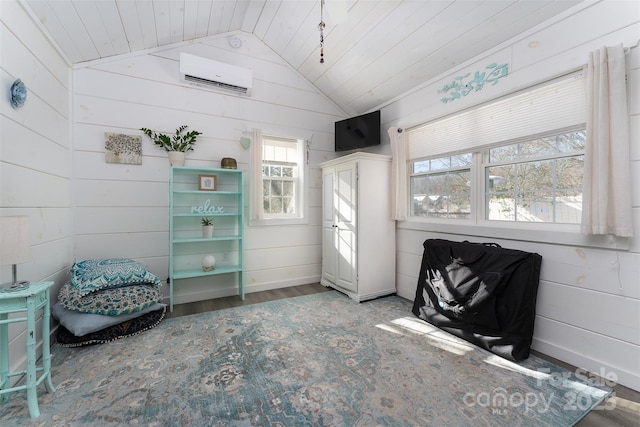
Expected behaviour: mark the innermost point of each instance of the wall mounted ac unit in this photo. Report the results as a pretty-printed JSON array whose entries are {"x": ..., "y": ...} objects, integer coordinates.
[{"x": 206, "y": 72}]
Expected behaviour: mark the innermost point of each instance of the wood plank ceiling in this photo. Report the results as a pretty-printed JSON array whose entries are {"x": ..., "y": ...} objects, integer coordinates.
[{"x": 382, "y": 49}]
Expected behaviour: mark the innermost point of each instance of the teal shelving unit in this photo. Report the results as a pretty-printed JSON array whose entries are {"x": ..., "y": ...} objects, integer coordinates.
[{"x": 189, "y": 202}]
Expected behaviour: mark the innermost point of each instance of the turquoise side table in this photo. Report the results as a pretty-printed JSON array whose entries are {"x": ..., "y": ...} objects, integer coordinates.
[{"x": 31, "y": 299}]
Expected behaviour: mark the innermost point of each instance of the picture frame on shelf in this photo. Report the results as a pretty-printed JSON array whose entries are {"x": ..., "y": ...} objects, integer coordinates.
[{"x": 207, "y": 182}]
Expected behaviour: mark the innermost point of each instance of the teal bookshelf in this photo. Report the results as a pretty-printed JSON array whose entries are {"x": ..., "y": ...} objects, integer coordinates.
[{"x": 220, "y": 198}]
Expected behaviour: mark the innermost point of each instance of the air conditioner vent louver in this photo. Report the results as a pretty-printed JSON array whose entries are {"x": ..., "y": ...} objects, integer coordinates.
[
  {"x": 206, "y": 72},
  {"x": 212, "y": 83}
]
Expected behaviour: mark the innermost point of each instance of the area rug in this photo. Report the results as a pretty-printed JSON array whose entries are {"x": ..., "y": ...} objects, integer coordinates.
[{"x": 315, "y": 360}]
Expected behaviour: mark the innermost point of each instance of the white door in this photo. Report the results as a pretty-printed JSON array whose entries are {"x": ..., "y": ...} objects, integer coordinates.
[
  {"x": 329, "y": 249},
  {"x": 345, "y": 198}
]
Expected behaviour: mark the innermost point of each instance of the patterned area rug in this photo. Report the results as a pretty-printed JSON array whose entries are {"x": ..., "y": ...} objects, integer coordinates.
[{"x": 316, "y": 360}]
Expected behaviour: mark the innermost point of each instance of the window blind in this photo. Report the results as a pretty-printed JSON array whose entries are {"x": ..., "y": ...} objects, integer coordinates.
[
  {"x": 555, "y": 105},
  {"x": 280, "y": 150}
]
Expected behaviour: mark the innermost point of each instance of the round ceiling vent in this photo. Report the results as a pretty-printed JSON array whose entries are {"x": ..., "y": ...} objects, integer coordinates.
[{"x": 234, "y": 42}]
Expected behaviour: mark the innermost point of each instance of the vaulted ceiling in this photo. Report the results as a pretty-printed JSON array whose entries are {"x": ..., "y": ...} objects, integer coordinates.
[{"x": 379, "y": 50}]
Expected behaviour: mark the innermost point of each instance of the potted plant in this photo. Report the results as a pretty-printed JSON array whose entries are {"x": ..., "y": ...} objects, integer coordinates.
[
  {"x": 207, "y": 227},
  {"x": 175, "y": 145}
]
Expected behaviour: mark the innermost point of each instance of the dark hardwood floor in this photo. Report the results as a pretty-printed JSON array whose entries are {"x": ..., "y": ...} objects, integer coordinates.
[
  {"x": 252, "y": 298},
  {"x": 625, "y": 402}
]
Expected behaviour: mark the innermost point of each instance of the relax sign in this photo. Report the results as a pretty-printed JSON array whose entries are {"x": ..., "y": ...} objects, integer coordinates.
[{"x": 207, "y": 209}]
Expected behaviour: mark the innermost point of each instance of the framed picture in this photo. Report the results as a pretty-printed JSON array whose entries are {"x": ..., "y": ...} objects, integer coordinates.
[
  {"x": 207, "y": 182},
  {"x": 124, "y": 149}
]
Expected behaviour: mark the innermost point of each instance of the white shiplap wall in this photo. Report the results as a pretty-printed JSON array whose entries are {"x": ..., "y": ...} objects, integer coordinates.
[
  {"x": 122, "y": 210},
  {"x": 35, "y": 159},
  {"x": 588, "y": 309},
  {"x": 583, "y": 316}
]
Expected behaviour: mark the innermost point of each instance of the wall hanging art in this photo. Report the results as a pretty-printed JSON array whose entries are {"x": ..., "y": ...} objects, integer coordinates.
[
  {"x": 18, "y": 94},
  {"x": 123, "y": 149},
  {"x": 463, "y": 85}
]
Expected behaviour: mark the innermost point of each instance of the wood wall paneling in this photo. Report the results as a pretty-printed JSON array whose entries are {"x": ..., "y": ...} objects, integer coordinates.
[
  {"x": 589, "y": 298},
  {"x": 104, "y": 193},
  {"x": 39, "y": 117},
  {"x": 32, "y": 188},
  {"x": 25, "y": 148},
  {"x": 594, "y": 352},
  {"x": 35, "y": 159},
  {"x": 122, "y": 245},
  {"x": 35, "y": 42},
  {"x": 121, "y": 209},
  {"x": 51, "y": 86},
  {"x": 125, "y": 94},
  {"x": 288, "y": 256}
]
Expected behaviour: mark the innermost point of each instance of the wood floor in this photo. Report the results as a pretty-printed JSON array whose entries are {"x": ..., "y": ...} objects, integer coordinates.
[{"x": 626, "y": 402}]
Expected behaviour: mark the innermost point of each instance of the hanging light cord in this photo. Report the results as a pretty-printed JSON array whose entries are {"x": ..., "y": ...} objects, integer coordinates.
[{"x": 321, "y": 26}]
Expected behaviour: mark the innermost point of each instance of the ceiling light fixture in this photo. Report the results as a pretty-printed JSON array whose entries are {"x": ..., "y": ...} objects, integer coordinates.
[{"x": 321, "y": 26}]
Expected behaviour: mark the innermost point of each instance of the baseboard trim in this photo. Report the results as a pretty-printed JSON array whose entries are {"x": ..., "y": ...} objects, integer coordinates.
[
  {"x": 185, "y": 298},
  {"x": 597, "y": 367}
]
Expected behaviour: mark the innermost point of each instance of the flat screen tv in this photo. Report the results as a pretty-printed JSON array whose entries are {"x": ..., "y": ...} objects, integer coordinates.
[{"x": 358, "y": 132}]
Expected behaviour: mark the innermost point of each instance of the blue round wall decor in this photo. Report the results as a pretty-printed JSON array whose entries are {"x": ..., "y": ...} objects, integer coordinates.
[{"x": 18, "y": 94}]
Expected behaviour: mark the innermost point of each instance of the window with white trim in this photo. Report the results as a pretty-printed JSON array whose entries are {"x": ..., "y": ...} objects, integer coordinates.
[
  {"x": 441, "y": 187},
  {"x": 282, "y": 177},
  {"x": 518, "y": 159},
  {"x": 539, "y": 180}
]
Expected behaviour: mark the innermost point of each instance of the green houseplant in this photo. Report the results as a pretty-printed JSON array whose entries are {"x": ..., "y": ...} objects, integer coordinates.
[
  {"x": 180, "y": 142},
  {"x": 207, "y": 227}
]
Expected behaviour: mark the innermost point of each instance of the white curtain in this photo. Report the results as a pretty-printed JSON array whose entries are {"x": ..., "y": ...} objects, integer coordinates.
[
  {"x": 606, "y": 203},
  {"x": 255, "y": 187},
  {"x": 398, "y": 174}
]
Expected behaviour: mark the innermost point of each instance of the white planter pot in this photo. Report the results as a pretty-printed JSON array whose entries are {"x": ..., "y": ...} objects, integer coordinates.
[
  {"x": 176, "y": 158},
  {"x": 207, "y": 231}
]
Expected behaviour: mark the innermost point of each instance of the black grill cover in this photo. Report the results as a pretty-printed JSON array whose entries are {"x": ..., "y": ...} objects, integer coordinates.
[{"x": 480, "y": 292}]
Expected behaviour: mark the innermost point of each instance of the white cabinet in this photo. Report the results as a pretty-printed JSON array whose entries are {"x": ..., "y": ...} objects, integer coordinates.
[{"x": 358, "y": 234}]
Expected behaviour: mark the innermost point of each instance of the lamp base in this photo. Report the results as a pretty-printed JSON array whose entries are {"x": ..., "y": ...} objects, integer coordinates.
[{"x": 14, "y": 286}]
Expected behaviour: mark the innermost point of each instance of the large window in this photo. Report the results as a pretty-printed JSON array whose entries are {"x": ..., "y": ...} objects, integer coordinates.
[
  {"x": 518, "y": 159},
  {"x": 539, "y": 180},
  {"x": 441, "y": 187},
  {"x": 282, "y": 177},
  {"x": 536, "y": 180}
]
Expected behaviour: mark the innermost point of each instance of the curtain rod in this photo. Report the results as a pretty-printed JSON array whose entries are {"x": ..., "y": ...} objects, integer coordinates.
[{"x": 627, "y": 49}]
